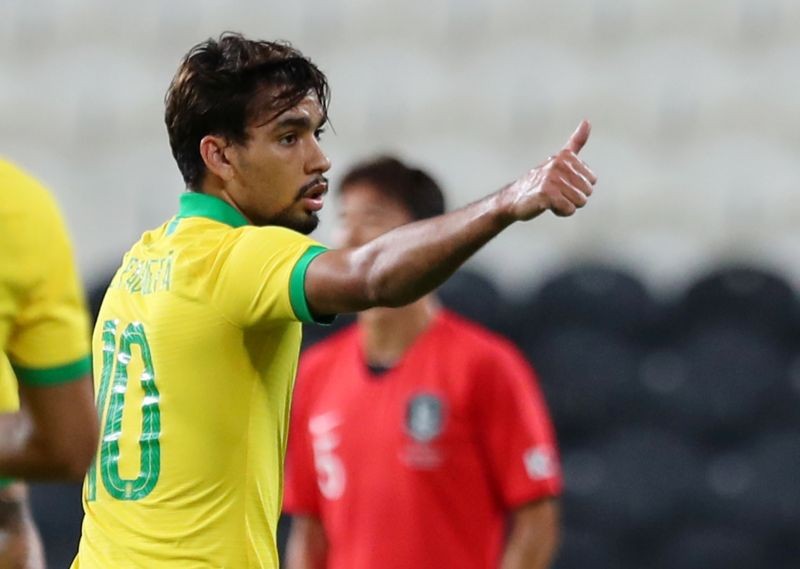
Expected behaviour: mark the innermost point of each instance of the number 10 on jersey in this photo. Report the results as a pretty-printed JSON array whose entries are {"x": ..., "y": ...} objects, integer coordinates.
[{"x": 115, "y": 379}]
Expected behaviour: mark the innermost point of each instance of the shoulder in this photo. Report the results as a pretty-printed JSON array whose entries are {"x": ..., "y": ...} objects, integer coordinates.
[
  {"x": 270, "y": 236},
  {"x": 25, "y": 195},
  {"x": 473, "y": 340}
]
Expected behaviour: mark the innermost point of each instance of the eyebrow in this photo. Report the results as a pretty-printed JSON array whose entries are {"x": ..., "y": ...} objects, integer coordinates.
[{"x": 301, "y": 122}]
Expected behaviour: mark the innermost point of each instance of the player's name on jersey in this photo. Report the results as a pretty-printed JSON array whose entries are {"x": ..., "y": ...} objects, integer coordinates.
[{"x": 144, "y": 276}]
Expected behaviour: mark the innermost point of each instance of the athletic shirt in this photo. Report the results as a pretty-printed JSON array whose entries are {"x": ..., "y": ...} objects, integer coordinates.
[
  {"x": 418, "y": 466},
  {"x": 44, "y": 326},
  {"x": 195, "y": 353}
]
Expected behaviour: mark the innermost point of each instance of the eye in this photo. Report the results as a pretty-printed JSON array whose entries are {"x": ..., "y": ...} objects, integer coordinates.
[
  {"x": 318, "y": 133},
  {"x": 288, "y": 139}
]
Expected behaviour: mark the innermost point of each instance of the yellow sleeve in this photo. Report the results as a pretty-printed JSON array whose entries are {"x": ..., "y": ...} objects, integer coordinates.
[
  {"x": 262, "y": 277},
  {"x": 49, "y": 341},
  {"x": 9, "y": 396}
]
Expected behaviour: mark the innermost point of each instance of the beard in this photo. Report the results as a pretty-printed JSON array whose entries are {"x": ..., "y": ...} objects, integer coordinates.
[
  {"x": 295, "y": 216},
  {"x": 302, "y": 222}
]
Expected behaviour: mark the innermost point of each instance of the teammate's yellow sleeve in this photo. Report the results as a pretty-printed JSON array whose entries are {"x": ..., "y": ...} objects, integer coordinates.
[
  {"x": 49, "y": 337},
  {"x": 9, "y": 396},
  {"x": 262, "y": 276}
]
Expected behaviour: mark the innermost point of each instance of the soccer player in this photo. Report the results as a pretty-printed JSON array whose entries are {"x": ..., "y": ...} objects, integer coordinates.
[
  {"x": 44, "y": 360},
  {"x": 415, "y": 433},
  {"x": 198, "y": 336}
]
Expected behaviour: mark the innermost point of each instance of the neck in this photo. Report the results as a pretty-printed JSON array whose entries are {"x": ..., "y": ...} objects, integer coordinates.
[
  {"x": 213, "y": 187},
  {"x": 386, "y": 333}
]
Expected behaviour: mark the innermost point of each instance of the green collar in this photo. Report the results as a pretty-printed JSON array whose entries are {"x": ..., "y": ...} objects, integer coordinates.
[{"x": 194, "y": 204}]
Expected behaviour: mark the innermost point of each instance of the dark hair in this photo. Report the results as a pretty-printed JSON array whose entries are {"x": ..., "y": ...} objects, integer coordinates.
[
  {"x": 412, "y": 188},
  {"x": 219, "y": 88}
]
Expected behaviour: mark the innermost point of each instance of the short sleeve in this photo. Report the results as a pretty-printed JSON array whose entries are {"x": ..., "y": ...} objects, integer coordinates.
[
  {"x": 515, "y": 431},
  {"x": 301, "y": 493},
  {"x": 262, "y": 276},
  {"x": 9, "y": 396},
  {"x": 49, "y": 340}
]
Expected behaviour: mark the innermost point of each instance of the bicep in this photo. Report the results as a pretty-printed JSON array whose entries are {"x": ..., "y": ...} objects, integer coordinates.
[
  {"x": 534, "y": 536},
  {"x": 337, "y": 282},
  {"x": 539, "y": 517}
]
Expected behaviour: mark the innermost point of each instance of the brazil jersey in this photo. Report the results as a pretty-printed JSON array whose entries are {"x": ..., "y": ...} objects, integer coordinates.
[
  {"x": 44, "y": 326},
  {"x": 195, "y": 353}
]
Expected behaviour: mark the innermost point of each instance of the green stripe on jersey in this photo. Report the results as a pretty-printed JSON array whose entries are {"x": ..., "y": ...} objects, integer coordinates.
[
  {"x": 297, "y": 288},
  {"x": 42, "y": 377}
]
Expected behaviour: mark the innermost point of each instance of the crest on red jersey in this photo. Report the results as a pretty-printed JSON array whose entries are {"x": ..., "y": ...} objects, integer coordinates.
[{"x": 424, "y": 417}]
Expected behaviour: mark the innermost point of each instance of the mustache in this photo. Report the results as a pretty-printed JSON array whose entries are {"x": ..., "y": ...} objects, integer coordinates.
[{"x": 313, "y": 184}]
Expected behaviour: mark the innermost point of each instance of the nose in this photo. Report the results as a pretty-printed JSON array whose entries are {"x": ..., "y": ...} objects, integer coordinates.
[{"x": 318, "y": 162}]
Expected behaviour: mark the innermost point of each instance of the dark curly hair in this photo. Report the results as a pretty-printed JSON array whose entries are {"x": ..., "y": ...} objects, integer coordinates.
[
  {"x": 411, "y": 187},
  {"x": 224, "y": 84}
]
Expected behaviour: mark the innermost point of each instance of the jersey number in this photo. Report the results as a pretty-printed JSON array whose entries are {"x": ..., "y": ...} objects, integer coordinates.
[{"x": 116, "y": 359}]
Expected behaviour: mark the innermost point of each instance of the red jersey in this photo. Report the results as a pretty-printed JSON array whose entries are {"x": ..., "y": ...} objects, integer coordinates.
[{"x": 418, "y": 466}]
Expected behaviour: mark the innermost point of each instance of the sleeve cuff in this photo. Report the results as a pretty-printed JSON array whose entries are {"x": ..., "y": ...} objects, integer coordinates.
[
  {"x": 297, "y": 289},
  {"x": 545, "y": 490},
  {"x": 43, "y": 377}
]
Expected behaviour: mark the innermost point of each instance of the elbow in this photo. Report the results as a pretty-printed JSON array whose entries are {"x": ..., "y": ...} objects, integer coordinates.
[
  {"x": 380, "y": 281},
  {"x": 71, "y": 463},
  {"x": 68, "y": 458},
  {"x": 383, "y": 290}
]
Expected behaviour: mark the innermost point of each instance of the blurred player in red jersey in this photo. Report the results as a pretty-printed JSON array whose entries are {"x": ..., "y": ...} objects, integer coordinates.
[{"x": 416, "y": 435}]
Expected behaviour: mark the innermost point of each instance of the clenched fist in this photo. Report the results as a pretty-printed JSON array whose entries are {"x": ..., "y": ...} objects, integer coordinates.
[{"x": 562, "y": 184}]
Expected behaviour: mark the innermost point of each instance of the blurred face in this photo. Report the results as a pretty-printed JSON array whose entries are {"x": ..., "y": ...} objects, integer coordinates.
[
  {"x": 279, "y": 171},
  {"x": 365, "y": 213}
]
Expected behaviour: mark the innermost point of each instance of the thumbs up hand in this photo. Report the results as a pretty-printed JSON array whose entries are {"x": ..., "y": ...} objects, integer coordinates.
[{"x": 562, "y": 184}]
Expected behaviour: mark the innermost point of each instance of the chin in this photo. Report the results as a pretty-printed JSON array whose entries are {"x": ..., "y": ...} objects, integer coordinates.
[{"x": 305, "y": 225}]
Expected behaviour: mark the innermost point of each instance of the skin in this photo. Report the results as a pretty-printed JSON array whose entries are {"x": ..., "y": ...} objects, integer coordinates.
[
  {"x": 534, "y": 537},
  {"x": 270, "y": 178},
  {"x": 20, "y": 546},
  {"x": 276, "y": 176},
  {"x": 45, "y": 440},
  {"x": 53, "y": 436},
  {"x": 366, "y": 214}
]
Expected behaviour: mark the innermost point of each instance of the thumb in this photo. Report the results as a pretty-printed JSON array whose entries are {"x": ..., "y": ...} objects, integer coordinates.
[{"x": 579, "y": 137}]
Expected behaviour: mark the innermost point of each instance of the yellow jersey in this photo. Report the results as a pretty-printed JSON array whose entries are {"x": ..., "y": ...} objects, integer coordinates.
[
  {"x": 195, "y": 353},
  {"x": 44, "y": 326}
]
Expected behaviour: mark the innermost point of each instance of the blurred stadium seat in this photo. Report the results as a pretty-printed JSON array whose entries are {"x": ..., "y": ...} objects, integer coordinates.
[
  {"x": 711, "y": 548},
  {"x": 476, "y": 297},
  {"x": 736, "y": 295},
  {"x": 719, "y": 382},
  {"x": 637, "y": 483},
  {"x": 585, "y": 548}
]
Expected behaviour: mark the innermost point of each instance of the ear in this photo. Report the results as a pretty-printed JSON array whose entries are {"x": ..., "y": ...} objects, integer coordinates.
[{"x": 212, "y": 150}]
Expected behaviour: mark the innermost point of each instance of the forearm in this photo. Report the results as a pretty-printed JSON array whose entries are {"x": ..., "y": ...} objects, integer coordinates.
[
  {"x": 25, "y": 452},
  {"x": 406, "y": 263},
  {"x": 412, "y": 260},
  {"x": 20, "y": 545},
  {"x": 307, "y": 547},
  {"x": 45, "y": 441}
]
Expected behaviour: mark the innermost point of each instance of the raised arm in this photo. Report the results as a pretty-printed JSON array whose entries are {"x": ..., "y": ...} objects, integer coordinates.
[{"x": 410, "y": 261}]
